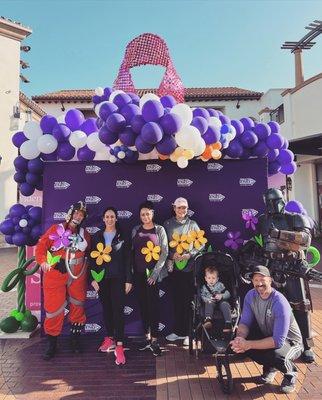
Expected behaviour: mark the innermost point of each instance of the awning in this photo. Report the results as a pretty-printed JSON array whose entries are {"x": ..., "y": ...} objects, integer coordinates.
[{"x": 310, "y": 145}]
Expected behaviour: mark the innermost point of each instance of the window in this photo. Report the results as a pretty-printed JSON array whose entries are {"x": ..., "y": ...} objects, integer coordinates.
[{"x": 277, "y": 115}]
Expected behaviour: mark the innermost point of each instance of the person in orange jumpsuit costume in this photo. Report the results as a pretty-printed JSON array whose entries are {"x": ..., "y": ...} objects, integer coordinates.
[{"x": 64, "y": 277}]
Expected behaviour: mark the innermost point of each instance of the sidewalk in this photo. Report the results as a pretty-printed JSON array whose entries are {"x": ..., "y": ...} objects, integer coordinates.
[{"x": 175, "y": 375}]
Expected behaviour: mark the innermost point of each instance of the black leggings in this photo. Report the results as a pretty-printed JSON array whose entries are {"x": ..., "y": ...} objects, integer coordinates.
[
  {"x": 223, "y": 306},
  {"x": 148, "y": 298},
  {"x": 111, "y": 295}
]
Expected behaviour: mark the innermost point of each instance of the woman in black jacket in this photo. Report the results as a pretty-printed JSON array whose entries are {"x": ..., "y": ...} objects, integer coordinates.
[{"x": 111, "y": 278}]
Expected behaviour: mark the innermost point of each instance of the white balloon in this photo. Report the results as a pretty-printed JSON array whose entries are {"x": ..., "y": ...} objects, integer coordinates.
[
  {"x": 47, "y": 144},
  {"x": 23, "y": 223},
  {"x": 184, "y": 112},
  {"x": 148, "y": 96},
  {"x": 78, "y": 139},
  {"x": 121, "y": 155},
  {"x": 102, "y": 155},
  {"x": 94, "y": 143},
  {"x": 32, "y": 130},
  {"x": 99, "y": 91},
  {"x": 61, "y": 118},
  {"x": 113, "y": 94},
  {"x": 214, "y": 121},
  {"x": 232, "y": 133},
  {"x": 200, "y": 147},
  {"x": 182, "y": 162},
  {"x": 188, "y": 137},
  {"x": 113, "y": 159},
  {"x": 29, "y": 149}
]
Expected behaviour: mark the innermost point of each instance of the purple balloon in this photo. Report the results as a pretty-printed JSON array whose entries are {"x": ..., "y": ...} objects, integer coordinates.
[
  {"x": 152, "y": 110},
  {"x": 47, "y": 123},
  {"x": 65, "y": 151},
  {"x": 106, "y": 136},
  {"x": 19, "y": 177},
  {"x": 212, "y": 112},
  {"x": 142, "y": 146},
  {"x": 246, "y": 154},
  {"x": 248, "y": 123},
  {"x": 225, "y": 129},
  {"x": 168, "y": 101},
  {"x": 99, "y": 123},
  {"x": 224, "y": 119},
  {"x": 106, "y": 109},
  {"x": 274, "y": 141},
  {"x": 40, "y": 185},
  {"x": 167, "y": 145},
  {"x": 36, "y": 166},
  {"x": 74, "y": 119},
  {"x": 152, "y": 133},
  {"x": 131, "y": 156},
  {"x": 96, "y": 99},
  {"x": 248, "y": 139},
  {"x": 36, "y": 232},
  {"x": 200, "y": 123},
  {"x": 127, "y": 137},
  {"x": 17, "y": 210},
  {"x": 61, "y": 132},
  {"x": 235, "y": 149},
  {"x": 21, "y": 164},
  {"x": 275, "y": 128},
  {"x": 272, "y": 154},
  {"x": 239, "y": 127},
  {"x": 49, "y": 157},
  {"x": 201, "y": 112},
  {"x": 32, "y": 178},
  {"x": 285, "y": 144},
  {"x": 260, "y": 149},
  {"x": 19, "y": 239},
  {"x": 285, "y": 156},
  {"x": 108, "y": 91},
  {"x": 295, "y": 206},
  {"x": 129, "y": 111},
  {"x": 35, "y": 213},
  {"x": 137, "y": 123},
  {"x": 18, "y": 138},
  {"x": 89, "y": 126},
  {"x": 115, "y": 122},
  {"x": 8, "y": 239},
  {"x": 135, "y": 98},
  {"x": 212, "y": 135},
  {"x": 262, "y": 130},
  {"x": 7, "y": 227},
  {"x": 122, "y": 99},
  {"x": 26, "y": 189},
  {"x": 273, "y": 167},
  {"x": 170, "y": 123},
  {"x": 288, "y": 169},
  {"x": 85, "y": 154}
]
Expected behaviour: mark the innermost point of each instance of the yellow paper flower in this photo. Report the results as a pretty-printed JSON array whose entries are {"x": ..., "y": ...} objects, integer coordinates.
[
  {"x": 180, "y": 242},
  {"x": 197, "y": 238},
  {"x": 101, "y": 254},
  {"x": 151, "y": 251}
]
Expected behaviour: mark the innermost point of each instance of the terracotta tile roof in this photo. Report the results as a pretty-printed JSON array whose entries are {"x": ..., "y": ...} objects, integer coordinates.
[
  {"x": 31, "y": 104},
  {"x": 191, "y": 94}
]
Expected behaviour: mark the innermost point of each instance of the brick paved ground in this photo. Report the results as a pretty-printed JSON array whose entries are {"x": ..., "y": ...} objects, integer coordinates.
[{"x": 176, "y": 375}]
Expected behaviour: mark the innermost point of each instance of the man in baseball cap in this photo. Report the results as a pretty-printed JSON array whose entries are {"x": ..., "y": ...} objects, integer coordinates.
[{"x": 261, "y": 270}]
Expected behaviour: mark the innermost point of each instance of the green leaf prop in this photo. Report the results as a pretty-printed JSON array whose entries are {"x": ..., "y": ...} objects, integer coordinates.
[
  {"x": 97, "y": 276},
  {"x": 209, "y": 250},
  {"x": 181, "y": 264},
  {"x": 148, "y": 272},
  {"x": 259, "y": 240},
  {"x": 51, "y": 260}
]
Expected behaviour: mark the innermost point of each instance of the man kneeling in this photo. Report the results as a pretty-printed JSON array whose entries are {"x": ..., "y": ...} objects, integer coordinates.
[{"x": 278, "y": 341}]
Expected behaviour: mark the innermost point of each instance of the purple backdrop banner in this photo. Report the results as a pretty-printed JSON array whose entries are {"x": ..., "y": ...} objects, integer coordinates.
[{"x": 217, "y": 193}]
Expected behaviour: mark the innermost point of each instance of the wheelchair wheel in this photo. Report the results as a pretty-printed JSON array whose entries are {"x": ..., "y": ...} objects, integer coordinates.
[{"x": 224, "y": 374}]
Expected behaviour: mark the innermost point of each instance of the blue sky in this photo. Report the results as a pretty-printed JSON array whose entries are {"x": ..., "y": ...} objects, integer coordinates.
[{"x": 80, "y": 43}]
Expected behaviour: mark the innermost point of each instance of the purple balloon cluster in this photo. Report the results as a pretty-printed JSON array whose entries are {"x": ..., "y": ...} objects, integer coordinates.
[
  {"x": 22, "y": 226},
  {"x": 262, "y": 140},
  {"x": 29, "y": 174},
  {"x": 123, "y": 153}
]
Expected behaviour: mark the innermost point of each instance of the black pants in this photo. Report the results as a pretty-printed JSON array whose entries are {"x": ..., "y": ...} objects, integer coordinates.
[
  {"x": 182, "y": 292},
  {"x": 281, "y": 359},
  {"x": 148, "y": 298},
  {"x": 223, "y": 306},
  {"x": 111, "y": 295}
]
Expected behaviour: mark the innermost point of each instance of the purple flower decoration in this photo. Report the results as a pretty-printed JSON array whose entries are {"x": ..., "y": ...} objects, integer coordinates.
[
  {"x": 234, "y": 240},
  {"x": 250, "y": 219},
  {"x": 60, "y": 237}
]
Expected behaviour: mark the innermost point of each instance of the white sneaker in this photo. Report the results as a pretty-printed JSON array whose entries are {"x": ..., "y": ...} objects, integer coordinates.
[
  {"x": 186, "y": 341},
  {"x": 173, "y": 337}
]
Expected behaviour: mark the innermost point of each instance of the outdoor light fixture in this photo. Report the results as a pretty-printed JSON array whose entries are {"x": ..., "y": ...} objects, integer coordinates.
[
  {"x": 25, "y": 48},
  {"x": 62, "y": 106},
  {"x": 24, "y": 64},
  {"x": 238, "y": 105},
  {"x": 24, "y": 79}
]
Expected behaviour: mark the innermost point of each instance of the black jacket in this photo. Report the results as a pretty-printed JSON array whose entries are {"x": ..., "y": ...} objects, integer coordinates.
[{"x": 119, "y": 266}]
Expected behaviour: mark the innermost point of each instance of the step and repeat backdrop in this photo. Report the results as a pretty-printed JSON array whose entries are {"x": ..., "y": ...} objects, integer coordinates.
[{"x": 217, "y": 192}]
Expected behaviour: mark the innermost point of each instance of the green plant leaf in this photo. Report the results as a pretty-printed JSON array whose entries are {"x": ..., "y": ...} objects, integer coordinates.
[
  {"x": 97, "y": 276},
  {"x": 209, "y": 250},
  {"x": 148, "y": 272},
  {"x": 51, "y": 260},
  {"x": 259, "y": 240}
]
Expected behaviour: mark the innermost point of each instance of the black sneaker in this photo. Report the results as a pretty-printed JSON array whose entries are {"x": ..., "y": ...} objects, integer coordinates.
[
  {"x": 155, "y": 348},
  {"x": 288, "y": 383},
  {"x": 144, "y": 345},
  {"x": 268, "y": 375}
]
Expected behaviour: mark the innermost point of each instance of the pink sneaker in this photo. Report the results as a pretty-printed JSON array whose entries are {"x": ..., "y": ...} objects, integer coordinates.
[
  {"x": 107, "y": 345},
  {"x": 119, "y": 355}
]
